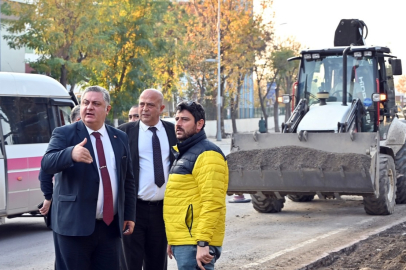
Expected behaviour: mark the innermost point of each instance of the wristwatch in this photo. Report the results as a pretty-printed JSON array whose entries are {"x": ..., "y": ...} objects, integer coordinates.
[{"x": 202, "y": 243}]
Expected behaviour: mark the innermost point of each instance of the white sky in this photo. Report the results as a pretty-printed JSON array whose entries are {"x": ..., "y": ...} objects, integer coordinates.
[{"x": 313, "y": 22}]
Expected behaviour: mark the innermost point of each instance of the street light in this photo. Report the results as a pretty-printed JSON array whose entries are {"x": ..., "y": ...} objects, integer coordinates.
[
  {"x": 219, "y": 80},
  {"x": 1, "y": 38},
  {"x": 218, "y": 60}
]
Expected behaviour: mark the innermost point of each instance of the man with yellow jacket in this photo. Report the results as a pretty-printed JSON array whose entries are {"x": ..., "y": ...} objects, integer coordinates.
[{"x": 194, "y": 203}]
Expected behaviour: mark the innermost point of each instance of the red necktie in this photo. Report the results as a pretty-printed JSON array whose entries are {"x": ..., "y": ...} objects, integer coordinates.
[{"x": 108, "y": 211}]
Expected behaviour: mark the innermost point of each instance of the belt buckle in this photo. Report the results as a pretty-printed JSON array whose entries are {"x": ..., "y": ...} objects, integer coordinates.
[{"x": 155, "y": 203}]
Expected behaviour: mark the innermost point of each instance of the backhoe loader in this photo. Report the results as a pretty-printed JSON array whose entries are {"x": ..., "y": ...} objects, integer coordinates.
[{"x": 342, "y": 138}]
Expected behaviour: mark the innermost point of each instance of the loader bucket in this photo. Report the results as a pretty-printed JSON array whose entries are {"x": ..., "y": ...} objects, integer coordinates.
[{"x": 338, "y": 163}]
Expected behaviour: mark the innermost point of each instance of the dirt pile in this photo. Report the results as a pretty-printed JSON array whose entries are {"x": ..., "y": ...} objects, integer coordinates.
[
  {"x": 383, "y": 251},
  {"x": 294, "y": 157}
]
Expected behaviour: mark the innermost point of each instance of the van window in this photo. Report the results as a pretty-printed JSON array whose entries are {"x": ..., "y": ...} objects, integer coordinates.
[
  {"x": 64, "y": 115},
  {"x": 24, "y": 120}
]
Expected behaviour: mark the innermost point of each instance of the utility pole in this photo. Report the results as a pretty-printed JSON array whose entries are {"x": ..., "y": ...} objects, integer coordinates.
[{"x": 219, "y": 99}]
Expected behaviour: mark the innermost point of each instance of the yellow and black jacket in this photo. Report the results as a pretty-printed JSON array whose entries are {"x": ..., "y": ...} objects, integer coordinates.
[{"x": 194, "y": 204}]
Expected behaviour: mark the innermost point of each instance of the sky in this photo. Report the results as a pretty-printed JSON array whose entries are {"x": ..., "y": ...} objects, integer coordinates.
[{"x": 313, "y": 22}]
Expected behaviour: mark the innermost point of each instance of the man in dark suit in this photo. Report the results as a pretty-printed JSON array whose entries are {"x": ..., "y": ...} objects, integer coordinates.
[
  {"x": 151, "y": 141},
  {"x": 47, "y": 187},
  {"x": 94, "y": 197}
]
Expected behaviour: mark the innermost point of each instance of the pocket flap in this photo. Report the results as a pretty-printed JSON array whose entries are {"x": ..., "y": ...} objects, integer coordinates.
[{"x": 67, "y": 198}]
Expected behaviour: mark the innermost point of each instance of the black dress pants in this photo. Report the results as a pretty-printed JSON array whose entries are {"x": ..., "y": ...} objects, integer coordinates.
[
  {"x": 145, "y": 248},
  {"x": 98, "y": 251}
]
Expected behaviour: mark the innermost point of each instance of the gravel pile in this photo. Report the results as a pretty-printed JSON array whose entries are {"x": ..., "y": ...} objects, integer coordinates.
[{"x": 294, "y": 157}]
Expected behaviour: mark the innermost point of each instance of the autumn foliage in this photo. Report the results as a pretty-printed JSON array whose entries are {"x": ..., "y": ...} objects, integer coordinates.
[{"x": 127, "y": 46}]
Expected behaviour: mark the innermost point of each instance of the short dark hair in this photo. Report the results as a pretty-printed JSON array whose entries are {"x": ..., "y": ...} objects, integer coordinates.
[{"x": 196, "y": 109}]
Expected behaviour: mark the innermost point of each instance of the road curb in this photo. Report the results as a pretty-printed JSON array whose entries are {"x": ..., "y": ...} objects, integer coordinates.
[{"x": 328, "y": 259}]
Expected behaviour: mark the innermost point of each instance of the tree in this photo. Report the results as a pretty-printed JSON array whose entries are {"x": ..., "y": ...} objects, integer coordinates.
[
  {"x": 201, "y": 42},
  {"x": 64, "y": 33},
  {"x": 198, "y": 19},
  {"x": 401, "y": 84},
  {"x": 133, "y": 45},
  {"x": 238, "y": 57},
  {"x": 263, "y": 46},
  {"x": 271, "y": 65},
  {"x": 287, "y": 71}
]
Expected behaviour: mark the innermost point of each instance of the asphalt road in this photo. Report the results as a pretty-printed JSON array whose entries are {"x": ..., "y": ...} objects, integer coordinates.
[{"x": 299, "y": 235}]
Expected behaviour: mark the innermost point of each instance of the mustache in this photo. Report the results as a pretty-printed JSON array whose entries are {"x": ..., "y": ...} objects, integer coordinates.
[{"x": 179, "y": 129}]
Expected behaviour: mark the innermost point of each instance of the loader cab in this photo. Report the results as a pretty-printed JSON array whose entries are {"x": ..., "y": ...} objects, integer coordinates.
[
  {"x": 366, "y": 71},
  {"x": 387, "y": 68},
  {"x": 324, "y": 73}
]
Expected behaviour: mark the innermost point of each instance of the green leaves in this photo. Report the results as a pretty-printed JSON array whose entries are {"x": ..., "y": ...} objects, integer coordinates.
[{"x": 127, "y": 46}]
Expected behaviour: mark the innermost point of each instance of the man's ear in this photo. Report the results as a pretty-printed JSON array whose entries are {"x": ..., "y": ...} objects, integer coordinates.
[
  {"x": 108, "y": 109},
  {"x": 199, "y": 125},
  {"x": 162, "y": 108}
]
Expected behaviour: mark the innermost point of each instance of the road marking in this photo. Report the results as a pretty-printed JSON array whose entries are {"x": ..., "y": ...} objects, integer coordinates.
[
  {"x": 300, "y": 245},
  {"x": 367, "y": 220}
]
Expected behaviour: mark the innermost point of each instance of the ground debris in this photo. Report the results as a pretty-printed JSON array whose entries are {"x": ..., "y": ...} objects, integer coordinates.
[
  {"x": 294, "y": 157},
  {"x": 384, "y": 251}
]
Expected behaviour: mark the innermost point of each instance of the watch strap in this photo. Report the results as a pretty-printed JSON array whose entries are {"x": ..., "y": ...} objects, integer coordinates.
[{"x": 202, "y": 243}]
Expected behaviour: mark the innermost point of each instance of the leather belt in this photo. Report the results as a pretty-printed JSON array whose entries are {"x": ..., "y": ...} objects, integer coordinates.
[{"x": 154, "y": 203}]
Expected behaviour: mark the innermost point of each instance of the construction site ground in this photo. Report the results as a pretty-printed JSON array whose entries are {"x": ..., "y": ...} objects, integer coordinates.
[
  {"x": 274, "y": 241},
  {"x": 382, "y": 251},
  {"x": 307, "y": 235}
]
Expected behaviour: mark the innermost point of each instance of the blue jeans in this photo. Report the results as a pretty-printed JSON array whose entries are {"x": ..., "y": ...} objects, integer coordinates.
[{"x": 186, "y": 257}]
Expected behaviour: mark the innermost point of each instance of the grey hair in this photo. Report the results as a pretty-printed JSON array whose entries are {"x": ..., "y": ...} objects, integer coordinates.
[
  {"x": 99, "y": 89},
  {"x": 134, "y": 107},
  {"x": 75, "y": 113}
]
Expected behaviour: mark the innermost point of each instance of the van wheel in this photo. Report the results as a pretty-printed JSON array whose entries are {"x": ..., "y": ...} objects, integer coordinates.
[
  {"x": 384, "y": 204},
  {"x": 301, "y": 198},
  {"x": 267, "y": 203},
  {"x": 400, "y": 163}
]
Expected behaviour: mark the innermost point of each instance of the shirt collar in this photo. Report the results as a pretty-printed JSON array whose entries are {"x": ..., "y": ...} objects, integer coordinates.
[
  {"x": 102, "y": 130},
  {"x": 158, "y": 126}
]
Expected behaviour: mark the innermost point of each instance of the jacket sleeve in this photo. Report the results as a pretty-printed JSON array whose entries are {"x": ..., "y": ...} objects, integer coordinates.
[
  {"x": 47, "y": 186},
  {"x": 58, "y": 156},
  {"x": 211, "y": 174},
  {"x": 129, "y": 188}
]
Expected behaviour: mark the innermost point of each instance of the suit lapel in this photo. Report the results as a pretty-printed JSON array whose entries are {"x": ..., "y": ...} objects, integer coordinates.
[
  {"x": 136, "y": 135},
  {"x": 115, "y": 143},
  {"x": 133, "y": 134},
  {"x": 83, "y": 133},
  {"x": 170, "y": 132}
]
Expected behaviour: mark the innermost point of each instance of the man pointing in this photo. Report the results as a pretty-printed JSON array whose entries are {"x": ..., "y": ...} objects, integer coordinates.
[{"x": 94, "y": 195}]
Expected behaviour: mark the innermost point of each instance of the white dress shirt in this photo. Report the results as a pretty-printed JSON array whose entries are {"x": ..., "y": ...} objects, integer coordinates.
[
  {"x": 148, "y": 190},
  {"x": 111, "y": 167}
]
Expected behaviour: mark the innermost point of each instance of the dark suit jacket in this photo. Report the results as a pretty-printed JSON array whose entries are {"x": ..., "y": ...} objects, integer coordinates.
[
  {"x": 77, "y": 184},
  {"x": 46, "y": 184},
  {"x": 132, "y": 129}
]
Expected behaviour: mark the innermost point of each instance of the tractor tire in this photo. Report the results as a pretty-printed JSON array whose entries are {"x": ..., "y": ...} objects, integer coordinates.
[
  {"x": 384, "y": 204},
  {"x": 301, "y": 198},
  {"x": 267, "y": 203},
  {"x": 400, "y": 163}
]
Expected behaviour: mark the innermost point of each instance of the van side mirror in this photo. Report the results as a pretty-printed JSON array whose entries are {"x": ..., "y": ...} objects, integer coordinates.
[{"x": 396, "y": 66}]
